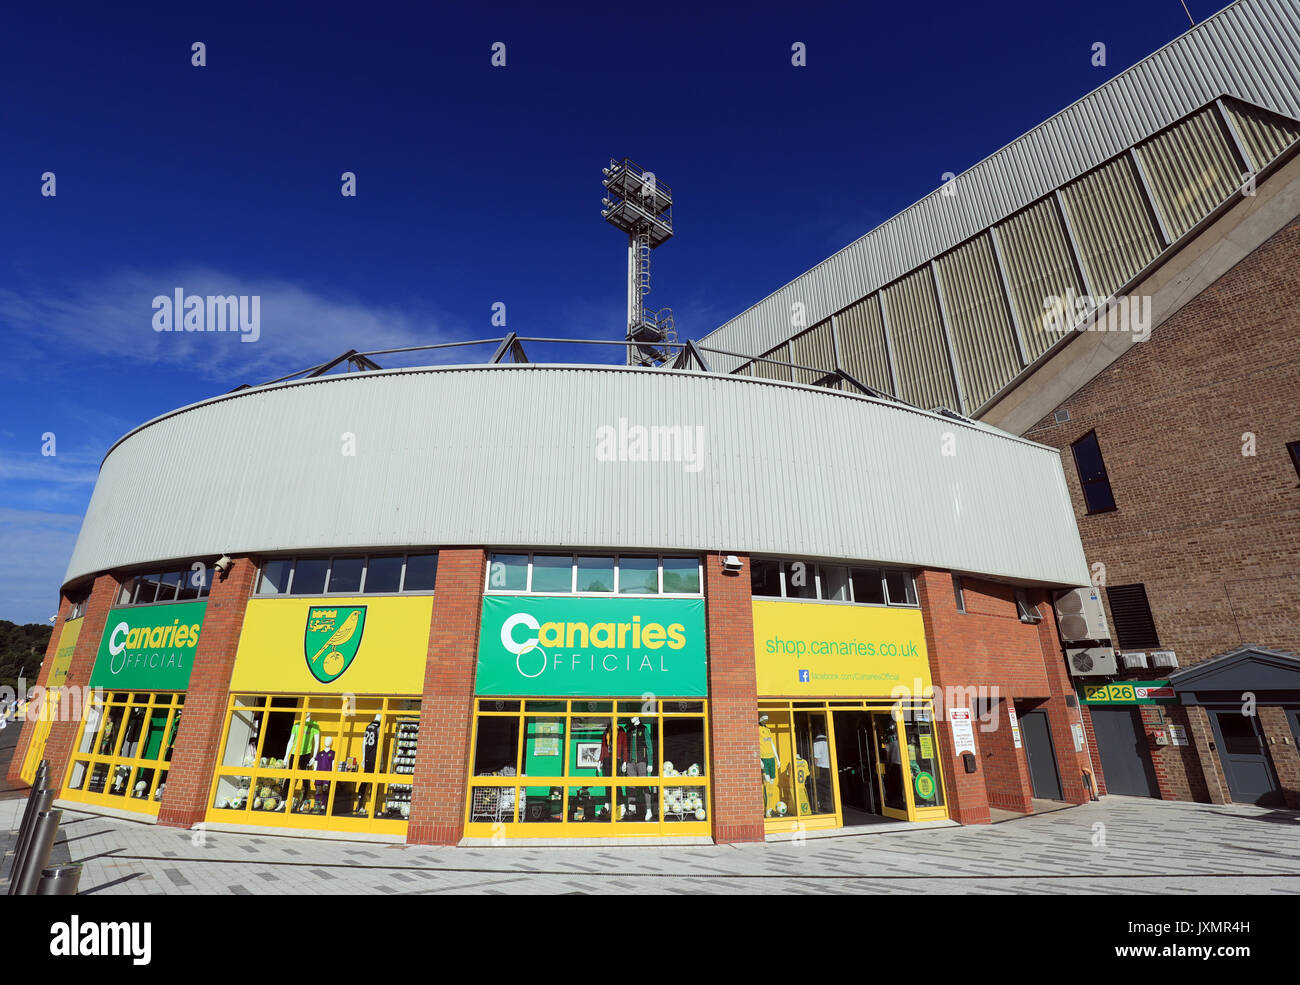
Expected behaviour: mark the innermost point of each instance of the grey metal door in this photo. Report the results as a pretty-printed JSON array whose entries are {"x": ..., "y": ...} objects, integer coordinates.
[
  {"x": 1041, "y": 756},
  {"x": 1125, "y": 755},
  {"x": 1245, "y": 762}
]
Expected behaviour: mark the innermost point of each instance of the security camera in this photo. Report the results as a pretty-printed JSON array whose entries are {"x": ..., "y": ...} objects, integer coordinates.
[
  {"x": 731, "y": 563},
  {"x": 54, "y": 618},
  {"x": 223, "y": 565}
]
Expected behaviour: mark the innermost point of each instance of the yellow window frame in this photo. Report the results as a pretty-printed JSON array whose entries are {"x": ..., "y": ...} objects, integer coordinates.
[
  {"x": 113, "y": 760},
  {"x": 377, "y": 785},
  {"x": 814, "y": 822},
  {"x": 502, "y": 795}
]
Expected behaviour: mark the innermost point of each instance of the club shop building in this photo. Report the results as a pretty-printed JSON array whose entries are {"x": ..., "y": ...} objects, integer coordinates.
[{"x": 459, "y": 604}]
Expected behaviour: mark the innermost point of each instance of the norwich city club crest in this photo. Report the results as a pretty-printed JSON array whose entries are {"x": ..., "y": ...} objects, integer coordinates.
[{"x": 332, "y": 638}]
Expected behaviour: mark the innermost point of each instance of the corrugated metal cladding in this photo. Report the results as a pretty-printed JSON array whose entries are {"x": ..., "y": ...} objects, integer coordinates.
[
  {"x": 814, "y": 347},
  {"x": 1266, "y": 135},
  {"x": 1192, "y": 170},
  {"x": 774, "y": 371},
  {"x": 916, "y": 333},
  {"x": 507, "y": 455},
  {"x": 862, "y": 344},
  {"x": 1039, "y": 266},
  {"x": 1248, "y": 51},
  {"x": 1117, "y": 236},
  {"x": 978, "y": 317}
]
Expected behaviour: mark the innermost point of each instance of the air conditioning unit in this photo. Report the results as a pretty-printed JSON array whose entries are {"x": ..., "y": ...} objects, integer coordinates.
[
  {"x": 1164, "y": 659},
  {"x": 1092, "y": 661},
  {"x": 1133, "y": 661},
  {"x": 1080, "y": 615}
]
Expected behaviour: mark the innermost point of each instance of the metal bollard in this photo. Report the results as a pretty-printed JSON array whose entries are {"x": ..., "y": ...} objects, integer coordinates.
[
  {"x": 59, "y": 880},
  {"x": 40, "y": 800},
  {"x": 42, "y": 779},
  {"x": 44, "y": 831}
]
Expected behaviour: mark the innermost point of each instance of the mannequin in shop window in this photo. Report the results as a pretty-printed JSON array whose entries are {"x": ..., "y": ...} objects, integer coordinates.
[
  {"x": 369, "y": 755},
  {"x": 131, "y": 740},
  {"x": 771, "y": 763},
  {"x": 636, "y": 754},
  {"x": 323, "y": 762},
  {"x": 304, "y": 743}
]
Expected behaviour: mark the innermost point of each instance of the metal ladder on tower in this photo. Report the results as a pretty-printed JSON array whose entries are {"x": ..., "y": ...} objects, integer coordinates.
[{"x": 643, "y": 255}]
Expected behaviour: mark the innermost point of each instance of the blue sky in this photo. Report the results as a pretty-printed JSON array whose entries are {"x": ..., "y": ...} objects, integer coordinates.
[{"x": 475, "y": 184}]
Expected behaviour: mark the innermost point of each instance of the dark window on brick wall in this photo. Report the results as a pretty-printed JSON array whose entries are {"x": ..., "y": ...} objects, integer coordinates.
[
  {"x": 1097, "y": 496},
  {"x": 1134, "y": 627},
  {"x": 1293, "y": 449},
  {"x": 959, "y": 594}
]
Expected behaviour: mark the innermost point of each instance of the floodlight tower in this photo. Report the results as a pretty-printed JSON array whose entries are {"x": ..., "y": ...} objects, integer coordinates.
[{"x": 642, "y": 206}]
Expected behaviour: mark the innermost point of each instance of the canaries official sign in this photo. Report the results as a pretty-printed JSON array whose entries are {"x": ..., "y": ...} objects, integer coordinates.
[
  {"x": 150, "y": 648},
  {"x": 592, "y": 646}
]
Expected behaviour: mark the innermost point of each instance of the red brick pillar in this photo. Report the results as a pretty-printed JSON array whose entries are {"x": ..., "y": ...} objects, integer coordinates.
[
  {"x": 966, "y": 793},
  {"x": 1282, "y": 750},
  {"x": 29, "y": 725},
  {"x": 184, "y": 802},
  {"x": 447, "y": 706},
  {"x": 1062, "y": 706},
  {"x": 63, "y": 733},
  {"x": 1086, "y": 714},
  {"x": 733, "y": 705},
  {"x": 1216, "y": 783}
]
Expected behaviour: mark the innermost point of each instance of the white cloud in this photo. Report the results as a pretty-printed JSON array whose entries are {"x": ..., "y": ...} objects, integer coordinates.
[{"x": 112, "y": 316}]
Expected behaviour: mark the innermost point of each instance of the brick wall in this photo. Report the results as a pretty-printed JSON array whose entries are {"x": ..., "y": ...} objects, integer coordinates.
[
  {"x": 1212, "y": 533},
  {"x": 1098, "y": 774},
  {"x": 446, "y": 709},
  {"x": 189, "y": 777},
  {"x": 1177, "y": 768},
  {"x": 965, "y": 793},
  {"x": 1202, "y": 737},
  {"x": 987, "y": 648},
  {"x": 733, "y": 705},
  {"x": 29, "y": 726},
  {"x": 1281, "y": 745},
  {"x": 58, "y": 747}
]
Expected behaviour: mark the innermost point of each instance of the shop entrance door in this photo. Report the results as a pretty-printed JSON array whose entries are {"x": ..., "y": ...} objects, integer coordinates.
[
  {"x": 857, "y": 771},
  {"x": 870, "y": 763},
  {"x": 889, "y": 759}
]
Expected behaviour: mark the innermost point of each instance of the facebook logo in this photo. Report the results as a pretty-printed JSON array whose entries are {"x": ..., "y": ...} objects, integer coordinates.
[{"x": 805, "y": 677}]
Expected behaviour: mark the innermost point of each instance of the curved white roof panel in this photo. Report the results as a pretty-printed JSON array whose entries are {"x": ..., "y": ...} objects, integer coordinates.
[{"x": 513, "y": 455}]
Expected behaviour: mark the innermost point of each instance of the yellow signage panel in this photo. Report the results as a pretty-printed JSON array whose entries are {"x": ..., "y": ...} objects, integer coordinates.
[
  {"x": 63, "y": 655},
  {"x": 355, "y": 645},
  {"x": 839, "y": 651}
]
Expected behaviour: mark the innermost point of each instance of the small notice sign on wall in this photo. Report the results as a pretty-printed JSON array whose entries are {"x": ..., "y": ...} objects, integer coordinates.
[{"x": 1178, "y": 735}]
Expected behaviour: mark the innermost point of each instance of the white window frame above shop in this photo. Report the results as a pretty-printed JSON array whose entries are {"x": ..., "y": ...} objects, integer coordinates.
[
  {"x": 293, "y": 559},
  {"x": 884, "y": 572},
  {"x": 615, "y": 592}
]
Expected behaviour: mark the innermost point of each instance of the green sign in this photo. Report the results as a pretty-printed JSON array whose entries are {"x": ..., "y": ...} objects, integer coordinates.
[
  {"x": 1129, "y": 693},
  {"x": 592, "y": 647},
  {"x": 924, "y": 783},
  {"x": 331, "y": 639},
  {"x": 149, "y": 648}
]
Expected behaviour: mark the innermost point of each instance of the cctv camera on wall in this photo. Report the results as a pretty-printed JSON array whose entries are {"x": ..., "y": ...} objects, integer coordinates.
[{"x": 223, "y": 565}]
